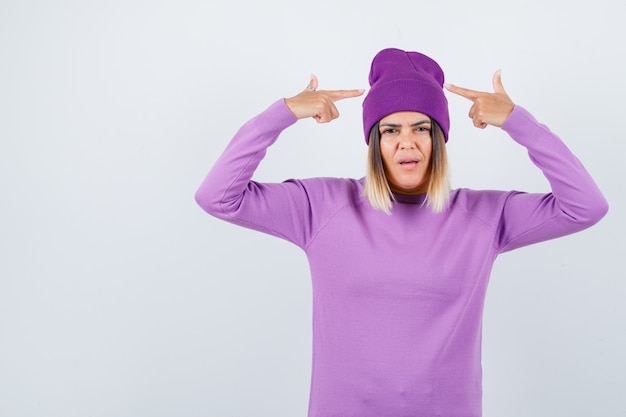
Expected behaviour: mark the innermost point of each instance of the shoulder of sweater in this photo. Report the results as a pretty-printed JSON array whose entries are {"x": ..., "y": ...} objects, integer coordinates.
[
  {"x": 483, "y": 205},
  {"x": 332, "y": 191}
]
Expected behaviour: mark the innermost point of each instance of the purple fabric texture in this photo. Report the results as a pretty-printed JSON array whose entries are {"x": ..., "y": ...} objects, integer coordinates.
[
  {"x": 398, "y": 299},
  {"x": 405, "y": 81}
]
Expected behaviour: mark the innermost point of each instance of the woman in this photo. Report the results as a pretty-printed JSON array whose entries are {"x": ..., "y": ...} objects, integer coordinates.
[{"x": 399, "y": 263}]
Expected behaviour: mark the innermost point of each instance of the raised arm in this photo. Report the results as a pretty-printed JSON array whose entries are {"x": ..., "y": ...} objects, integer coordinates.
[
  {"x": 575, "y": 202},
  {"x": 228, "y": 191}
]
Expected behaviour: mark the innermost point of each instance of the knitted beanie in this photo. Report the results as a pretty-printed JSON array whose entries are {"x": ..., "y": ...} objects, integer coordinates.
[{"x": 405, "y": 81}]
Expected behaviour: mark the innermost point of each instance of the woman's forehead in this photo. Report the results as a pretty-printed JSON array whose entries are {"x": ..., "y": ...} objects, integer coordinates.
[{"x": 404, "y": 117}]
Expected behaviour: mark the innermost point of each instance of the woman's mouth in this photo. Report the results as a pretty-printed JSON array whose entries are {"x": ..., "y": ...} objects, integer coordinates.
[{"x": 409, "y": 163}]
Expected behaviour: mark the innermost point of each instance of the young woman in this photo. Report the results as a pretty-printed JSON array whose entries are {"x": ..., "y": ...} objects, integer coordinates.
[{"x": 399, "y": 262}]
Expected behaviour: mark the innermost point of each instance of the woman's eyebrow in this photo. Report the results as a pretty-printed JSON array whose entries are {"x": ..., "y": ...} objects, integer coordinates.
[{"x": 421, "y": 122}]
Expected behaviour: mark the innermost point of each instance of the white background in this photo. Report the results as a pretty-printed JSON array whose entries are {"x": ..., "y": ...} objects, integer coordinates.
[{"x": 120, "y": 297}]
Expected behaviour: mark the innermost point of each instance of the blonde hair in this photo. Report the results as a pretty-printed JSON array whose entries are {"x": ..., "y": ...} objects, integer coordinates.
[{"x": 377, "y": 189}]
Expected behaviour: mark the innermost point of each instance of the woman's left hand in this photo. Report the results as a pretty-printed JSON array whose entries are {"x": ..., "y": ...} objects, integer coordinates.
[{"x": 487, "y": 108}]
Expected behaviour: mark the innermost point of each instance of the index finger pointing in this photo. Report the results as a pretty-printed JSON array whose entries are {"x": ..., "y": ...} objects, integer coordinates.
[
  {"x": 463, "y": 92},
  {"x": 341, "y": 94}
]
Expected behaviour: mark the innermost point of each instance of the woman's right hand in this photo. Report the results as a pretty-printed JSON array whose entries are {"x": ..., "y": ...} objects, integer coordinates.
[{"x": 318, "y": 104}]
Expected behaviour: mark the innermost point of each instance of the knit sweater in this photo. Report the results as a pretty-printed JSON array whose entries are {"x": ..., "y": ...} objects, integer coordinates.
[{"x": 398, "y": 299}]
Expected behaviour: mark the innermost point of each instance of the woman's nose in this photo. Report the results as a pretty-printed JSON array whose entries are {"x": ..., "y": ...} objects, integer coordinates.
[{"x": 406, "y": 141}]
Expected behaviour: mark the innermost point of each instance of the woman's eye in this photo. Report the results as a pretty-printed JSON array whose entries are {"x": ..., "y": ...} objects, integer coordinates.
[{"x": 388, "y": 131}]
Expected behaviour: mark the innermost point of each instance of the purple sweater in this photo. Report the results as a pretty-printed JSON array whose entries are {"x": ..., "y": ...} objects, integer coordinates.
[{"x": 398, "y": 299}]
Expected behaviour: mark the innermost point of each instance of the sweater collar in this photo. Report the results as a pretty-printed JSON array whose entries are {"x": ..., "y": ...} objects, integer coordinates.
[{"x": 409, "y": 199}]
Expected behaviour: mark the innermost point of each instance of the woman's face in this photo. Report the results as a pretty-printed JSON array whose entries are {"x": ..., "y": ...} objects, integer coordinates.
[{"x": 406, "y": 147}]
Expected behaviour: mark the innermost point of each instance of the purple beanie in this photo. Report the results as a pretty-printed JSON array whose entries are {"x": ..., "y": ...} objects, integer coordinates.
[{"x": 405, "y": 81}]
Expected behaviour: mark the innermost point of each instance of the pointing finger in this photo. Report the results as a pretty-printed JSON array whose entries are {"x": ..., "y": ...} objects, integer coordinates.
[
  {"x": 463, "y": 92},
  {"x": 335, "y": 95}
]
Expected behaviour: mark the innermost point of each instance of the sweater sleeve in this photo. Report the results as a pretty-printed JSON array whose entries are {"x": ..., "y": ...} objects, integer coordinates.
[
  {"x": 574, "y": 204},
  {"x": 229, "y": 193}
]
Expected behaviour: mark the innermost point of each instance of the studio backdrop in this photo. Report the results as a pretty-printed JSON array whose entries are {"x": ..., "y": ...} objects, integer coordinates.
[{"x": 120, "y": 297}]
